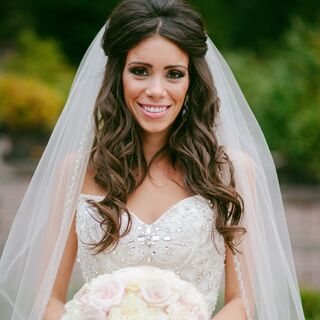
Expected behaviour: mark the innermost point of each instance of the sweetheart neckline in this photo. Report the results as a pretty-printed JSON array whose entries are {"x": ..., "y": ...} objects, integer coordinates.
[{"x": 165, "y": 213}]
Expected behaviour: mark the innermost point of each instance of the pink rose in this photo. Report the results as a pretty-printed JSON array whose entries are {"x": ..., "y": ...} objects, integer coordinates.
[
  {"x": 90, "y": 313},
  {"x": 193, "y": 299},
  {"x": 182, "y": 311},
  {"x": 158, "y": 294},
  {"x": 201, "y": 316},
  {"x": 105, "y": 292}
]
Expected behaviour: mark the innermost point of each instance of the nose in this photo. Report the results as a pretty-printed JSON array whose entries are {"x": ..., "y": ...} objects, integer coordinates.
[{"x": 155, "y": 88}]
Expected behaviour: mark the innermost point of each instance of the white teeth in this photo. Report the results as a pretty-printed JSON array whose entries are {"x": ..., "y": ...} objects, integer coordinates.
[{"x": 154, "y": 109}]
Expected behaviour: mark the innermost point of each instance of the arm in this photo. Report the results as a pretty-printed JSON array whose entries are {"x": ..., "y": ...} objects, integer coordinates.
[
  {"x": 55, "y": 307},
  {"x": 234, "y": 308}
]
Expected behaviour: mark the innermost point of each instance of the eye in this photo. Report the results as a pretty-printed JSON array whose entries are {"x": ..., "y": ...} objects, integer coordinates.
[
  {"x": 139, "y": 71},
  {"x": 175, "y": 74}
]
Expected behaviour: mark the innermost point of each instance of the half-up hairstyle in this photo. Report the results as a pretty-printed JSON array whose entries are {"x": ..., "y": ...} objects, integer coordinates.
[{"x": 117, "y": 156}]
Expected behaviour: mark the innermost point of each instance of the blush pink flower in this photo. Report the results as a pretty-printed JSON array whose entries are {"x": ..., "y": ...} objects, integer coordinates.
[
  {"x": 105, "y": 292},
  {"x": 157, "y": 293},
  {"x": 90, "y": 313},
  {"x": 137, "y": 293}
]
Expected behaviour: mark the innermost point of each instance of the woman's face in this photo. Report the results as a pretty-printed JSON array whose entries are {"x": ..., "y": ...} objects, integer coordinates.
[{"x": 155, "y": 82}]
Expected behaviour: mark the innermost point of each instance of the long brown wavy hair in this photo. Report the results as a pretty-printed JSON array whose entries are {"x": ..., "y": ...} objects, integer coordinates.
[{"x": 117, "y": 153}]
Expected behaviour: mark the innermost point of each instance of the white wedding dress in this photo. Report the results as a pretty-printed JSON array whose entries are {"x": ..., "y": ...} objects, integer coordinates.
[{"x": 180, "y": 240}]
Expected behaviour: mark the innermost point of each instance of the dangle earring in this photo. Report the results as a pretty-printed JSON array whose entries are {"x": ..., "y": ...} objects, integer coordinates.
[{"x": 185, "y": 105}]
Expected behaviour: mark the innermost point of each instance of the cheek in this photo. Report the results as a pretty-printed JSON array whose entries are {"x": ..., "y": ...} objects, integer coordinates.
[
  {"x": 126, "y": 88},
  {"x": 182, "y": 91},
  {"x": 131, "y": 89}
]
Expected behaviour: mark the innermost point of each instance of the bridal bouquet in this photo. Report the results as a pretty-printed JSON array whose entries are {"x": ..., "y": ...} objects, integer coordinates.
[{"x": 137, "y": 293}]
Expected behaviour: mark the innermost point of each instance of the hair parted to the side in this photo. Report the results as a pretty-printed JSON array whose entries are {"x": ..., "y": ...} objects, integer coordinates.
[{"x": 117, "y": 156}]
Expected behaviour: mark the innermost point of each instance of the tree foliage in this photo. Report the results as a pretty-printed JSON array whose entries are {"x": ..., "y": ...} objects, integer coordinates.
[
  {"x": 34, "y": 82},
  {"x": 250, "y": 24},
  {"x": 39, "y": 58},
  {"x": 283, "y": 90},
  {"x": 28, "y": 106}
]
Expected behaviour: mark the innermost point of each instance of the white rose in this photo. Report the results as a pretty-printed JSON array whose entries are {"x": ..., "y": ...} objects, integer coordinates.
[
  {"x": 131, "y": 277},
  {"x": 72, "y": 311},
  {"x": 201, "y": 315},
  {"x": 81, "y": 299},
  {"x": 156, "y": 314},
  {"x": 180, "y": 311},
  {"x": 156, "y": 293},
  {"x": 105, "y": 292},
  {"x": 131, "y": 308},
  {"x": 193, "y": 298},
  {"x": 89, "y": 313},
  {"x": 81, "y": 295}
]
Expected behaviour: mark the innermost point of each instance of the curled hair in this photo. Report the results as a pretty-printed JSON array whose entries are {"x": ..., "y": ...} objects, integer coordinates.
[{"x": 117, "y": 155}]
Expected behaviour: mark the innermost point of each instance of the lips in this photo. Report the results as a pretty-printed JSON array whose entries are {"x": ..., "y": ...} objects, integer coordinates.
[
  {"x": 147, "y": 105},
  {"x": 154, "y": 111}
]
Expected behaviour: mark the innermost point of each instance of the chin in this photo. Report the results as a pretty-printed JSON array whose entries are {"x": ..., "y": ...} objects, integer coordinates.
[{"x": 155, "y": 130}]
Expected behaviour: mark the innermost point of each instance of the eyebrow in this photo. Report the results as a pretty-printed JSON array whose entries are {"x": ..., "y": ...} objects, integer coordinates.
[{"x": 150, "y": 65}]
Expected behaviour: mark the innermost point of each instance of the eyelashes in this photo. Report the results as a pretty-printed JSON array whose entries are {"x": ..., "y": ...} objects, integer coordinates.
[
  {"x": 175, "y": 74},
  {"x": 138, "y": 71},
  {"x": 143, "y": 72}
]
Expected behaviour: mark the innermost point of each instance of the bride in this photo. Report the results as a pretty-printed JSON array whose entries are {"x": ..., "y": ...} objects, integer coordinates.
[{"x": 155, "y": 160}]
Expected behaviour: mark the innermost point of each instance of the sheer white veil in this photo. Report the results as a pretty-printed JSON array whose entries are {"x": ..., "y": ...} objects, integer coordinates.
[{"x": 35, "y": 245}]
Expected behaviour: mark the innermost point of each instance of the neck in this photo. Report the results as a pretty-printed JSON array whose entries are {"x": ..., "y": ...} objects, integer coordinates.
[{"x": 153, "y": 142}]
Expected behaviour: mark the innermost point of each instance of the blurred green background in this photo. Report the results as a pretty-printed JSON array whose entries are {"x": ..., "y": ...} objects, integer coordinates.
[{"x": 273, "y": 48}]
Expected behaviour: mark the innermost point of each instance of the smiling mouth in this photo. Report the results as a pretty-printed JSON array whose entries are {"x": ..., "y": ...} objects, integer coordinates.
[{"x": 153, "y": 108}]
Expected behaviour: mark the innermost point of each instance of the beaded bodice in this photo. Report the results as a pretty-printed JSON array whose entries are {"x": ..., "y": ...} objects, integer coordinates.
[{"x": 180, "y": 240}]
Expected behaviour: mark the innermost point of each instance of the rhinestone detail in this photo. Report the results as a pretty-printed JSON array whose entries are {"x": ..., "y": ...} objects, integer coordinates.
[{"x": 180, "y": 241}]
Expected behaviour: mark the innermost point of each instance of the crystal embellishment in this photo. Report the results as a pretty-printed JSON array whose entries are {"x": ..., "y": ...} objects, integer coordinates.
[{"x": 179, "y": 241}]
